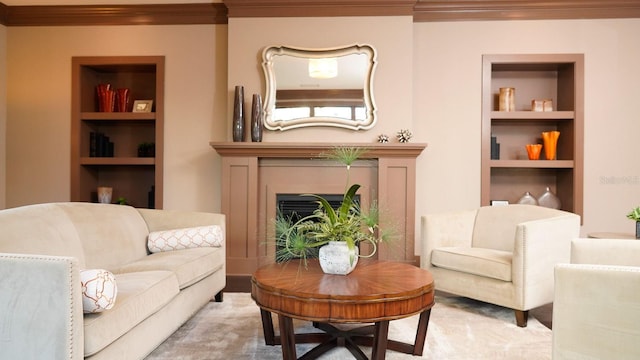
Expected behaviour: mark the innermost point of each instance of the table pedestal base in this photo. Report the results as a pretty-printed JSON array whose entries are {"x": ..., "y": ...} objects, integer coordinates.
[{"x": 375, "y": 336}]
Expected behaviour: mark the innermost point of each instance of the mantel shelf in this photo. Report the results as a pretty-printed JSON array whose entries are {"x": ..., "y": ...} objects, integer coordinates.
[{"x": 313, "y": 150}]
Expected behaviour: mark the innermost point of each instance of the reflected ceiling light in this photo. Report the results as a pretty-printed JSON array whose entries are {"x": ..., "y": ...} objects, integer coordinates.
[{"x": 325, "y": 68}]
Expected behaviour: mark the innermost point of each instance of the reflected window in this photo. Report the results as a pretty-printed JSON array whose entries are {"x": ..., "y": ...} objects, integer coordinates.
[
  {"x": 290, "y": 113},
  {"x": 333, "y": 111}
]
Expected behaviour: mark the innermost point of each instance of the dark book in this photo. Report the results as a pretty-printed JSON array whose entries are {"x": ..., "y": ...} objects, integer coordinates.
[{"x": 92, "y": 144}]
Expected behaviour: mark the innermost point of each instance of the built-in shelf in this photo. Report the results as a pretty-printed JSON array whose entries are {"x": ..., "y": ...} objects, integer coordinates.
[
  {"x": 112, "y": 148},
  {"x": 555, "y": 77},
  {"x": 117, "y": 161},
  {"x": 118, "y": 116},
  {"x": 533, "y": 115},
  {"x": 533, "y": 164}
]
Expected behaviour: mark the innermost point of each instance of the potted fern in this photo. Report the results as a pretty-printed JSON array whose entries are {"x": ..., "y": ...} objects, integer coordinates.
[
  {"x": 330, "y": 232},
  {"x": 635, "y": 216}
]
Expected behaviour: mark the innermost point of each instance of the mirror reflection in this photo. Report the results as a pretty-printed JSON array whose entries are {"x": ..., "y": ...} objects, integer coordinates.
[{"x": 319, "y": 87}]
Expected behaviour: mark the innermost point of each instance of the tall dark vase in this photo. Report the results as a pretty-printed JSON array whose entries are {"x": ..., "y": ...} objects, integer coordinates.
[
  {"x": 238, "y": 114},
  {"x": 256, "y": 118}
]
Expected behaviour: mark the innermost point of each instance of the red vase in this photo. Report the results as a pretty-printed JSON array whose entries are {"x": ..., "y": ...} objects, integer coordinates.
[
  {"x": 102, "y": 91},
  {"x": 122, "y": 100}
]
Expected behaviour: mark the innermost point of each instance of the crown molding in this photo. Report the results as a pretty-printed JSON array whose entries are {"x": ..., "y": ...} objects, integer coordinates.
[
  {"x": 218, "y": 13},
  {"x": 431, "y": 10},
  {"x": 160, "y": 14},
  {"x": 309, "y": 8}
]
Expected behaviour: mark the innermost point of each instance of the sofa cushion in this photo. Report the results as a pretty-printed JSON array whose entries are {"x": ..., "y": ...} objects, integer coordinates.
[
  {"x": 140, "y": 294},
  {"x": 490, "y": 263},
  {"x": 99, "y": 290},
  {"x": 111, "y": 235},
  {"x": 189, "y": 265},
  {"x": 185, "y": 238}
]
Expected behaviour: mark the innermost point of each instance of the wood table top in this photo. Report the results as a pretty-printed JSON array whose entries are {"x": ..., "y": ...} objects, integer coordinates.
[{"x": 374, "y": 291}]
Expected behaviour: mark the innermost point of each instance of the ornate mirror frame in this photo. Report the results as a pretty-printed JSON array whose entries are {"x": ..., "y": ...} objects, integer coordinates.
[{"x": 270, "y": 54}]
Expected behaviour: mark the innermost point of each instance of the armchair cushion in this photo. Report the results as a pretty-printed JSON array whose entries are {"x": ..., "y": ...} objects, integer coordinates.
[{"x": 489, "y": 263}]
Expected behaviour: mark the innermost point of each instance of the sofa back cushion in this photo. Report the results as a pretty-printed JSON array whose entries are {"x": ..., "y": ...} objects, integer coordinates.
[
  {"x": 495, "y": 226},
  {"x": 111, "y": 235},
  {"x": 39, "y": 229}
]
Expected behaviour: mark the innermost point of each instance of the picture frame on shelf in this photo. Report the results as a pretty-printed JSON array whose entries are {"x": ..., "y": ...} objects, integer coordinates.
[{"x": 142, "y": 105}]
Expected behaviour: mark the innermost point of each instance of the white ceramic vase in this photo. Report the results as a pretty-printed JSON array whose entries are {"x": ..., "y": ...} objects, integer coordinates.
[{"x": 335, "y": 258}]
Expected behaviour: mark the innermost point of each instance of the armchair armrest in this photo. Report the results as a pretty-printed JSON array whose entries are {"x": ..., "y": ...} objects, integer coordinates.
[
  {"x": 445, "y": 229},
  {"x": 539, "y": 246},
  {"x": 596, "y": 312},
  {"x": 605, "y": 251},
  {"x": 41, "y": 307},
  {"x": 158, "y": 220}
]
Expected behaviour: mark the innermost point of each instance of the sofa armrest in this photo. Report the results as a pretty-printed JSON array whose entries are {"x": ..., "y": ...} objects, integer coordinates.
[
  {"x": 41, "y": 307},
  {"x": 445, "y": 229},
  {"x": 596, "y": 311},
  {"x": 159, "y": 220}
]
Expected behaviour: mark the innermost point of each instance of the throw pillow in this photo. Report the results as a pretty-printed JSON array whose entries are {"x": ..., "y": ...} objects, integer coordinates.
[
  {"x": 186, "y": 238},
  {"x": 99, "y": 290}
]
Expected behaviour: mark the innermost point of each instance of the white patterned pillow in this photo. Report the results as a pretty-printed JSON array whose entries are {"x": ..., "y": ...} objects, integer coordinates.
[
  {"x": 99, "y": 290},
  {"x": 186, "y": 238}
]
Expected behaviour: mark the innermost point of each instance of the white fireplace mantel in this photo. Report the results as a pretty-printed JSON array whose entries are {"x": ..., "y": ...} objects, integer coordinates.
[{"x": 250, "y": 179}]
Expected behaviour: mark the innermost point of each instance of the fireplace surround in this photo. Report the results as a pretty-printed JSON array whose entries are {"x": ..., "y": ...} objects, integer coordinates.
[{"x": 253, "y": 174}]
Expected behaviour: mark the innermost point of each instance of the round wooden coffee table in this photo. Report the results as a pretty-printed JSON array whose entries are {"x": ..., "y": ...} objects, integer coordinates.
[{"x": 375, "y": 292}]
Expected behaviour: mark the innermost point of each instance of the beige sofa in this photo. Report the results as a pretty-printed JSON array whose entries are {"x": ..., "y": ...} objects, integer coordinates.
[
  {"x": 596, "y": 306},
  {"x": 503, "y": 255},
  {"x": 42, "y": 250}
]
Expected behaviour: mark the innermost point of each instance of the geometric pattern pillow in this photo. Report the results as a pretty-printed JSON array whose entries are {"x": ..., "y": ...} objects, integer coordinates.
[
  {"x": 99, "y": 290},
  {"x": 186, "y": 238}
]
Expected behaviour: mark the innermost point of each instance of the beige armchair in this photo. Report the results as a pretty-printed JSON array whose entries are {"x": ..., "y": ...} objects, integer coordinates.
[
  {"x": 596, "y": 308},
  {"x": 504, "y": 255}
]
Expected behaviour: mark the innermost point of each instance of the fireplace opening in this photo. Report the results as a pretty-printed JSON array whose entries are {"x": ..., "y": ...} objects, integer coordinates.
[{"x": 298, "y": 206}]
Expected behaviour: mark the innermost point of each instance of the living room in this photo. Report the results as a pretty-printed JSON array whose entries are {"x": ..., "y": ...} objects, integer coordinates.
[{"x": 428, "y": 80}]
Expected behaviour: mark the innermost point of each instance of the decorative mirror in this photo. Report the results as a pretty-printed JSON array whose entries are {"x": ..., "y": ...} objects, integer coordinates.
[{"x": 319, "y": 87}]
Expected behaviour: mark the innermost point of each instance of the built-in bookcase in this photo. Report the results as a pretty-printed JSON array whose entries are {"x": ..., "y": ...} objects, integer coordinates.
[
  {"x": 133, "y": 174},
  {"x": 555, "y": 77}
]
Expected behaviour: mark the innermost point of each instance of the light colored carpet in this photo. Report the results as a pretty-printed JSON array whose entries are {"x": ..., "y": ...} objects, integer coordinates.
[{"x": 459, "y": 328}]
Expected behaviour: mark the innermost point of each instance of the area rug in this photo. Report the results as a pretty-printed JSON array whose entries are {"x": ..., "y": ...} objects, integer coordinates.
[{"x": 459, "y": 328}]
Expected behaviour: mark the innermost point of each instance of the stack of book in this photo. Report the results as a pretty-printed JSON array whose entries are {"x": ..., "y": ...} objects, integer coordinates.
[{"x": 100, "y": 145}]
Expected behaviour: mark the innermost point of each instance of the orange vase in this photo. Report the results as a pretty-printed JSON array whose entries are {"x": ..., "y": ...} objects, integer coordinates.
[
  {"x": 533, "y": 150},
  {"x": 550, "y": 140}
]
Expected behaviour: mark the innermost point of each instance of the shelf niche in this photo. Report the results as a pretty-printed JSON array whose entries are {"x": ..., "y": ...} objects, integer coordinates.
[
  {"x": 130, "y": 175},
  {"x": 558, "y": 77}
]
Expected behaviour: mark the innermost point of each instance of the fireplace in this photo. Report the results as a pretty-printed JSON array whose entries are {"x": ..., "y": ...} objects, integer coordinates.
[{"x": 254, "y": 173}]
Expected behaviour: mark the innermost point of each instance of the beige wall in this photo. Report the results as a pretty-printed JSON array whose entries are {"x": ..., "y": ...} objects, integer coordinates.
[
  {"x": 3, "y": 114},
  {"x": 39, "y": 63},
  {"x": 447, "y": 108},
  {"x": 428, "y": 80},
  {"x": 391, "y": 36}
]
